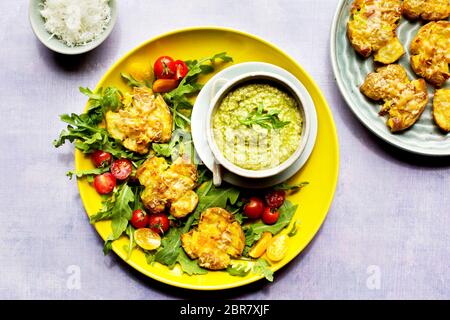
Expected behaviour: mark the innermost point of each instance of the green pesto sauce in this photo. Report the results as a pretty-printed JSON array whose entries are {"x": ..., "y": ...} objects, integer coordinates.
[{"x": 255, "y": 147}]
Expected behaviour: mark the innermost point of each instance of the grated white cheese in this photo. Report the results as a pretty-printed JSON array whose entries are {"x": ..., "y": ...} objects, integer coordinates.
[{"x": 76, "y": 22}]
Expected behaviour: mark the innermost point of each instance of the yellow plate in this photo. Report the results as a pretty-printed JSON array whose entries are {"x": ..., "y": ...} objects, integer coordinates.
[{"x": 321, "y": 170}]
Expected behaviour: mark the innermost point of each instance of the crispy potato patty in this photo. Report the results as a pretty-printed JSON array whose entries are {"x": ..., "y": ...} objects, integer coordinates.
[
  {"x": 404, "y": 100},
  {"x": 168, "y": 185},
  {"x": 372, "y": 26},
  {"x": 217, "y": 239},
  {"x": 441, "y": 109},
  {"x": 426, "y": 9},
  {"x": 430, "y": 52},
  {"x": 145, "y": 118}
]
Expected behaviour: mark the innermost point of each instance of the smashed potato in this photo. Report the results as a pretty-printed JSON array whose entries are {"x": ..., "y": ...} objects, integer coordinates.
[
  {"x": 404, "y": 100},
  {"x": 426, "y": 9},
  {"x": 441, "y": 109},
  {"x": 217, "y": 239},
  {"x": 168, "y": 185},
  {"x": 372, "y": 26},
  {"x": 430, "y": 52},
  {"x": 145, "y": 118},
  {"x": 390, "y": 53}
]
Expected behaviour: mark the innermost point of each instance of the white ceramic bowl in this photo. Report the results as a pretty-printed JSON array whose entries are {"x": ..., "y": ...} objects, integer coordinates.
[
  {"x": 266, "y": 77},
  {"x": 37, "y": 24}
]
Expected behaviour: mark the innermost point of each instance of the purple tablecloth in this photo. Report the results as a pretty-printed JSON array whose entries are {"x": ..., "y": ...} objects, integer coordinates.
[{"x": 386, "y": 235}]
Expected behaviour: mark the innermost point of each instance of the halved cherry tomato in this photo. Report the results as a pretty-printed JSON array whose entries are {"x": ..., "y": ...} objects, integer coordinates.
[
  {"x": 277, "y": 248},
  {"x": 275, "y": 198},
  {"x": 139, "y": 219},
  {"x": 104, "y": 183},
  {"x": 101, "y": 158},
  {"x": 181, "y": 70},
  {"x": 164, "y": 85},
  {"x": 121, "y": 168},
  {"x": 147, "y": 239},
  {"x": 164, "y": 68},
  {"x": 270, "y": 216},
  {"x": 260, "y": 247},
  {"x": 159, "y": 223},
  {"x": 254, "y": 208}
]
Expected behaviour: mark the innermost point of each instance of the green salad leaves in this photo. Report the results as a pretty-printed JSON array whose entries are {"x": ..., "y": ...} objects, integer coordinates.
[{"x": 84, "y": 129}]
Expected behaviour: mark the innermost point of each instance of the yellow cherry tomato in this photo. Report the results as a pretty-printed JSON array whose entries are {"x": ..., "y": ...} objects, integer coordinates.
[
  {"x": 147, "y": 239},
  {"x": 141, "y": 71},
  {"x": 164, "y": 85},
  {"x": 259, "y": 248},
  {"x": 277, "y": 248}
]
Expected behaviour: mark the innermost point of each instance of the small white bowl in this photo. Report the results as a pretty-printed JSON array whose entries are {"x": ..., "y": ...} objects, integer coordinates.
[
  {"x": 253, "y": 77},
  {"x": 37, "y": 24}
]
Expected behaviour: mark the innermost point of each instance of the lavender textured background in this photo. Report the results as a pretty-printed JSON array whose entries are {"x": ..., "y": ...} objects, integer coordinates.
[{"x": 390, "y": 215}]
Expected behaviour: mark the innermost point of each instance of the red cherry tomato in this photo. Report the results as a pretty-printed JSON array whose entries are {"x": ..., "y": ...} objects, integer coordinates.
[
  {"x": 139, "y": 219},
  {"x": 101, "y": 158},
  {"x": 164, "y": 68},
  {"x": 254, "y": 208},
  {"x": 274, "y": 199},
  {"x": 104, "y": 183},
  {"x": 181, "y": 70},
  {"x": 159, "y": 223},
  {"x": 121, "y": 169},
  {"x": 270, "y": 216}
]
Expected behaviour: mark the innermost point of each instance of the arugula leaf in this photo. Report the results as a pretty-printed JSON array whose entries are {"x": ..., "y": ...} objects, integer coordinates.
[
  {"x": 83, "y": 129},
  {"x": 149, "y": 257},
  {"x": 89, "y": 172},
  {"x": 253, "y": 232},
  {"x": 288, "y": 187},
  {"x": 294, "y": 230},
  {"x": 109, "y": 99},
  {"x": 204, "y": 175},
  {"x": 188, "y": 265},
  {"x": 104, "y": 213},
  {"x": 188, "y": 85},
  {"x": 266, "y": 119},
  {"x": 121, "y": 212},
  {"x": 131, "y": 243},
  {"x": 130, "y": 81},
  {"x": 168, "y": 253},
  {"x": 239, "y": 270},
  {"x": 180, "y": 141},
  {"x": 179, "y": 97},
  {"x": 107, "y": 247},
  {"x": 262, "y": 267},
  {"x": 218, "y": 197}
]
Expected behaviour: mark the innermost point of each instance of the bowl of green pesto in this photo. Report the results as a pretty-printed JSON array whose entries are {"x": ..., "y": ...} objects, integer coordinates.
[{"x": 257, "y": 126}]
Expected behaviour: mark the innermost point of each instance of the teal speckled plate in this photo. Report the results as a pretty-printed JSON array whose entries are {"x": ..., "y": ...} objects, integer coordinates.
[{"x": 350, "y": 71}]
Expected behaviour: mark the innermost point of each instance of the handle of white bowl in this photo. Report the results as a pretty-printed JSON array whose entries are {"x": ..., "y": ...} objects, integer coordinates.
[
  {"x": 216, "y": 86},
  {"x": 217, "y": 174}
]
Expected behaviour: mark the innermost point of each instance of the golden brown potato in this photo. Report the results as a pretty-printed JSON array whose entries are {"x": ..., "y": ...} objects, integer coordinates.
[
  {"x": 430, "y": 52},
  {"x": 441, "y": 109},
  {"x": 168, "y": 185},
  {"x": 390, "y": 53},
  {"x": 404, "y": 100},
  {"x": 372, "y": 26},
  {"x": 145, "y": 118},
  {"x": 217, "y": 238},
  {"x": 426, "y": 9}
]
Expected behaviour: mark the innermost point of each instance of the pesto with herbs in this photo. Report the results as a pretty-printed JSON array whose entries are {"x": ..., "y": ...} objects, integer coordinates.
[{"x": 257, "y": 126}]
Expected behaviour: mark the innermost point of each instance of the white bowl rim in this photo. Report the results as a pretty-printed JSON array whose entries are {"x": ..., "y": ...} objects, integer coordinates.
[
  {"x": 76, "y": 49},
  {"x": 265, "y": 172}
]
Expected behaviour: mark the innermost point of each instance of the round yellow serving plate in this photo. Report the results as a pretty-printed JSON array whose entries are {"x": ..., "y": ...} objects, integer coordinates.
[{"x": 321, "y": 169}]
